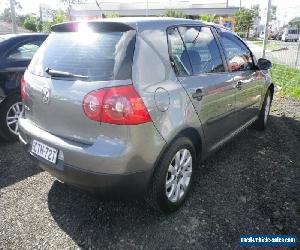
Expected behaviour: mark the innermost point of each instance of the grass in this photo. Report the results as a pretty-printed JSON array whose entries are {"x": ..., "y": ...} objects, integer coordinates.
[
  {"x": 269, "y": 46},
  {"x": 288, "y": 79}
]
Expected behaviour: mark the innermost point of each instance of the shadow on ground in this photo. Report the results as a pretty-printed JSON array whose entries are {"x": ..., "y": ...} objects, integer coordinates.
[
  {"x": 249, "y": 186},
  {"x": 15, "y": 165}
]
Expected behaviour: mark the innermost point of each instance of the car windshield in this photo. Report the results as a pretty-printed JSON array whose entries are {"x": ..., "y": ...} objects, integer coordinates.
[{"x": 96, "y": 56}]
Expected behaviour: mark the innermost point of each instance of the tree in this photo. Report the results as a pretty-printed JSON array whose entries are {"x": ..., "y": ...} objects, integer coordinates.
[
  {"x": 207, "y": 18},
  {"x": 6, "y": 16},
  {"x": 245, "y": 18},
  {"x": 173, "y": 13},
  {"x": 58, "y": 17},
  {"x": 111, "y": 14},
  {"x": 30, "y": 23},
  {"x": 295, "y": 22},
  {"x": 273, "y": 12},
  {"x": 68, "y": 4}
]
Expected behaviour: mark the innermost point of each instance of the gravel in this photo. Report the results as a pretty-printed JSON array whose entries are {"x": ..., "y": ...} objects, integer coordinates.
[{"x": 250, "y": 186}]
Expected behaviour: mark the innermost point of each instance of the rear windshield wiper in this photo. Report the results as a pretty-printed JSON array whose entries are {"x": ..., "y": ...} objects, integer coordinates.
[{"x": 58, "y": 73}]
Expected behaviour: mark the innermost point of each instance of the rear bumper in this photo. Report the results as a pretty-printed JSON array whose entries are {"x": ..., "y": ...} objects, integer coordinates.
[
  {"x": 107, "y": 165},
  {"x": 133, "y": 184}
]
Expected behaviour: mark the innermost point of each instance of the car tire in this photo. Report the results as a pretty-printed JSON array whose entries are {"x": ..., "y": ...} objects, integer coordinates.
[
  {"x": 173, "y": 176},
  {"x": 10, "y": 110},
  {"x": 262, "y": 121}
]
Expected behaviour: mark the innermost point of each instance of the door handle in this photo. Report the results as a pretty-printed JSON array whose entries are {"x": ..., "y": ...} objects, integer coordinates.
[
  {"x": 198, "y": 95},
  {"x": 238, "y": 85}
]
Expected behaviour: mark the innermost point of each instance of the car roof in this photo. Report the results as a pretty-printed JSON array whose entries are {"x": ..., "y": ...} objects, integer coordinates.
[
  {"x": 140, "y": 23},
  {"x": 20, "y": 35}
]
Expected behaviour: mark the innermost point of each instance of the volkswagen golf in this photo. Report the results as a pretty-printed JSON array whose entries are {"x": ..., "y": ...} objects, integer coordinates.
[{"x": 130, "y": 106}]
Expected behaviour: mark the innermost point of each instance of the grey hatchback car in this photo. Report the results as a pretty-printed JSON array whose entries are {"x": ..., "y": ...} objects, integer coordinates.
[{"x": 132, "y": 105}]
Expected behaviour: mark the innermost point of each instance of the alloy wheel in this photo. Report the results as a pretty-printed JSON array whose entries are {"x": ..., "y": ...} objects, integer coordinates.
[
  {"x": 179, "y": 175},
  {"x": 13, "y": 115}
]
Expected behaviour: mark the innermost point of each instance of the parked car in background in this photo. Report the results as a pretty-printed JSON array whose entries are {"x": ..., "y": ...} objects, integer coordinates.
[
  {"x": 16, "y": 51},
  {"x": 132, "y": 105},
  {"x": 290, "y": 34}
]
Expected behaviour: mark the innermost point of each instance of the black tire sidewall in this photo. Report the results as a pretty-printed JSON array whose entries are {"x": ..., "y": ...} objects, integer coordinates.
[
  {"x": 268, "y": 94},
  {"x": 260, "y": 122}
]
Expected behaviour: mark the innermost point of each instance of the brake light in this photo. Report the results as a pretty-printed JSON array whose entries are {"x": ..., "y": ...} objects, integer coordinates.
[
  {"x": 116, "y": 105},
  {"x": 23, "y": 89}
]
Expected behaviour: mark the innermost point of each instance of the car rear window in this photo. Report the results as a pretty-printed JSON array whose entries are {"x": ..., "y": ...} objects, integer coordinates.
[{"x": 98, "y": 56}]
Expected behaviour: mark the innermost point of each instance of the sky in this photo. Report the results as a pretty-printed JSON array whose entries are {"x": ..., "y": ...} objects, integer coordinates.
[{"x": 286, "y": 9}]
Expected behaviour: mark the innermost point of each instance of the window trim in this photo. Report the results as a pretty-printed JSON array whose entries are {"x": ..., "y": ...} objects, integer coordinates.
[{"x": 221, "y": 52}]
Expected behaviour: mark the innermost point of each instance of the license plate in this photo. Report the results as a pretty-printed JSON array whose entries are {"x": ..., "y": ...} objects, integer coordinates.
[{"x": 44, "y": 151}]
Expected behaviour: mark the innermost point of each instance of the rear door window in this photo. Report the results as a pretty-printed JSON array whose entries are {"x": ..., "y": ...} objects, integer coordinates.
[
  {"x": 98, "y": 56},
  {"x": 202, "y": 50}
]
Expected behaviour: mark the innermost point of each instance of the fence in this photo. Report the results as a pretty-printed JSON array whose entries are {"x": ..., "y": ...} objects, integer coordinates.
[{"x": 280, "y": 52}]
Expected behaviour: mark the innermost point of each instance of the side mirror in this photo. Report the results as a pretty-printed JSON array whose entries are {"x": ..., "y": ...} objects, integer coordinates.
[{"x": 264, "y": 64}]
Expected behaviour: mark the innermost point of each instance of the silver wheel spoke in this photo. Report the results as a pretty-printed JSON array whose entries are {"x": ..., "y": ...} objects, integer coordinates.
[
  {"x": 12, "y": 118},
  {"x": 171, "y": 193},
  {"x": 12, "y": 122},
  {"x": 171, "y": 169},
  {"x": 171, "y": 182},
  {"x": 183, "y": 157},
  {"x": 18, "y": 108},
  {"x": 187, "y": 163},
  {"x": 14, "y": 109}
]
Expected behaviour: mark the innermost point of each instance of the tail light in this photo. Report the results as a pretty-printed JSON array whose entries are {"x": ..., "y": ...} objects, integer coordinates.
[
  {"x": 23, "y": 89},
  {"x": 116, "y": 105}
]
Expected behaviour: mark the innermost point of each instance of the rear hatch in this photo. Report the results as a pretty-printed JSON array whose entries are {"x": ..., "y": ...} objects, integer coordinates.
[{"x": 76, "y": 58}]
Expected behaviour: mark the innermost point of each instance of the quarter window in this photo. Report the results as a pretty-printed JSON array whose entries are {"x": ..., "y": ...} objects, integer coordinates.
[{"x": 238, "y": 55}]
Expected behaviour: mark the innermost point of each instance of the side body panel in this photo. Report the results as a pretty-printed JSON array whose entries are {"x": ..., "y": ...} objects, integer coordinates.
[
  {"x": 167, "y": 102},
  {"x": 216, "y": 109},
  {"x": 249, "y": 94}
]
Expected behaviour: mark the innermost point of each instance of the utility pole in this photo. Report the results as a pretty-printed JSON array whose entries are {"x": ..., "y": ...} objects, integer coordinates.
[
  {"x": 266, "y": 29},
  {"x": 240, "y": 4},
  {"x": 298, "y": 52},
  {"x": 13, "y": 16},
  {"x": 147, "y": 8}
]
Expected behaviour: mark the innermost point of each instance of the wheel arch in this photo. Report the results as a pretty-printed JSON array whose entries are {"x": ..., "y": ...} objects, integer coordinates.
[{"x": 192, "y": 134}]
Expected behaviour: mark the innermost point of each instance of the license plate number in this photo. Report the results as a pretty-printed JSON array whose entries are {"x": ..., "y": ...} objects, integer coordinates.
[{"x": 44, "y": 151}]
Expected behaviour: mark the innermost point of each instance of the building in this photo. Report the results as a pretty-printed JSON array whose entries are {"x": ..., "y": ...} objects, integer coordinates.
[{"x": 155, "y": 8}]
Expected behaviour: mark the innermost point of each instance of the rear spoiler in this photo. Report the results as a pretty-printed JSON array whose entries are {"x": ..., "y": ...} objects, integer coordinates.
[{"x": 95, "y": 26}]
